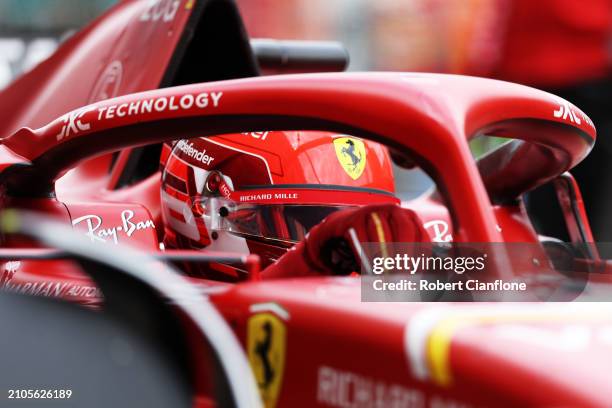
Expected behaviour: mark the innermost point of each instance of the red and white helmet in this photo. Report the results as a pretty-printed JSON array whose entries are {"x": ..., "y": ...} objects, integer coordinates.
[{"x": 260, "y": 192}]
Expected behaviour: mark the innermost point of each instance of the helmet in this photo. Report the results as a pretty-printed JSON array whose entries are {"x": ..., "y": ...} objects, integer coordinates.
[{"x": 261, "y": 192}]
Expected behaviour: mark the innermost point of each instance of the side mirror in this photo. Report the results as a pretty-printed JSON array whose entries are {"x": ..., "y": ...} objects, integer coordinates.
[{"x": 292, "y": 56}]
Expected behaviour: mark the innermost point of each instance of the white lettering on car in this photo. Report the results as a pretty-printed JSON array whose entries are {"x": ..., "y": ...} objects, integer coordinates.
[
  {"x": 440, "y": 230},
  {"x": 10, "y": 268},
  {"x": 164, "y": 10},
  {"x": 344, "y": 389},
  {"x": 162, "y": 104},
  {"x": 96, "y": 232},
  {"x": 565, "y": 111},
  {"x": 53, "y": 289},
  {"x": 73, "y": 124}
]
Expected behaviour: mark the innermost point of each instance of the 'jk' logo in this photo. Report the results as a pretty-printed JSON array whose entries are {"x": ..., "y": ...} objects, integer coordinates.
[
  {"x": 565, "y": 112},
  {"x": 73, "y": 124}
]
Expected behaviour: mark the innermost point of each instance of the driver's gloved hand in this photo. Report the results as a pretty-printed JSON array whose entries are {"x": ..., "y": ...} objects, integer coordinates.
[{"x": 329, "y": 249}]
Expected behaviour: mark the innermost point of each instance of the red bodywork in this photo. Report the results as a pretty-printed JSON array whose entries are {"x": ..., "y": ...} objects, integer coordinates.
[{"x": 337, "y": 351}]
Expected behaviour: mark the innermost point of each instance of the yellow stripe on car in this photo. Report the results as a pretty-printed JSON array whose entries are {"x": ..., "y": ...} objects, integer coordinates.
[
  {"x": 438, "y": 351},
  {"x": 432, "y": 337}
]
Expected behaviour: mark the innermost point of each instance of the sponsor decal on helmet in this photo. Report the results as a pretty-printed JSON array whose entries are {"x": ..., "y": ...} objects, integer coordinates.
[
  {"x": 257, "y": 135},
  {"x": 351, "y": 154},
  {"x": 268, "y": 197},
  {"x": 266, "y": 348},
  {"x": 194, "y": 153}
]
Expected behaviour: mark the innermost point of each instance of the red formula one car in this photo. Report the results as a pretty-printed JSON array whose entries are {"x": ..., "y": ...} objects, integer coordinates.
[{"x": 258, "y": 164}]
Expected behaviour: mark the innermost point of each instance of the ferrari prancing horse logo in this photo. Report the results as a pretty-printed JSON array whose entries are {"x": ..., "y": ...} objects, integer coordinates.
[
  {"x": 351, "y": 154},
  {"x": 266, "y": 344}
]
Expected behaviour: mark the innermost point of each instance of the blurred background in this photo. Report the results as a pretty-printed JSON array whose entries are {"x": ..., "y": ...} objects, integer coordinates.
[
  {"x": 423, "y": 35},
  {"x": 30, "y": 30},
  {"x": 562, "y": 46}
]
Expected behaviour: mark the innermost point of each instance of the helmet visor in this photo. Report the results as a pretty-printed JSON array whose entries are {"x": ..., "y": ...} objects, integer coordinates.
[{"x": 281, "y": 222}]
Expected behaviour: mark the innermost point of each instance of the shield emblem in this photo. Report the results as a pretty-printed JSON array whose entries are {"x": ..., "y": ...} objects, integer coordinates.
[
  {"x": 266, "y": 346},
  {"x": 351, "y": 154}
]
